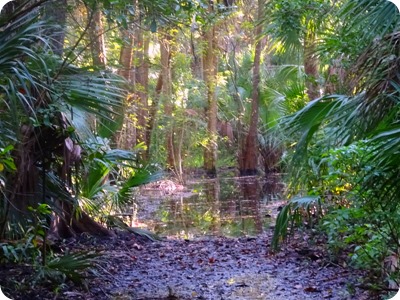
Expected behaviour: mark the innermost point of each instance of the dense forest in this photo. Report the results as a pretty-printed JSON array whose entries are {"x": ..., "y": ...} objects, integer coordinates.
[{"x": 99, "y": 98}]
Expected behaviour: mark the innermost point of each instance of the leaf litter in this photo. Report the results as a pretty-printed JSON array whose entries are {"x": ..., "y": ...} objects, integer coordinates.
[{"x": 217, "y": 268}]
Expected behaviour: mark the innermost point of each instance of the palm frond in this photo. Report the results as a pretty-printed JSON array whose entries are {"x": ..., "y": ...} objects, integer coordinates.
[
  {"x": 370, "y": 19},
  {"x": 71, "y": 266},
  {"x": 141, "y": 176},
  {"x": 290, "y": 214}
]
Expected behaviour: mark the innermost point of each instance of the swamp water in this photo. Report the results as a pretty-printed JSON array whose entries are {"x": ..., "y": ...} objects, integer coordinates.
[
  {"x": 231, "y": 206},
  {"x": 196, "y": 261}
]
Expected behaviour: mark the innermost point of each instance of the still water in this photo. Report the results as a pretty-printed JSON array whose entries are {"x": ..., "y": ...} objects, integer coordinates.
[{"x": 232, "y": 206}]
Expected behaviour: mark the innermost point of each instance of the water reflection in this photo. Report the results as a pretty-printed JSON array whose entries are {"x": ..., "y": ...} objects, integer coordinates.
[{"x": 226, "y": 206}]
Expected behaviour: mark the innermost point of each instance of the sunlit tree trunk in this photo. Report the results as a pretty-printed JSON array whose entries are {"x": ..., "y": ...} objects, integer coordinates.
[
  {"x": 311, "y": 64},
  {"x": 210, "y": 69},
  {"x": 126, "y": 54},
  {"x": 166, "y": 95},
  {"x": 141, "y": 84},
  {"x": 335, "y": 82},
  {"x": 153, "y": 108},
  {"x": 250, "y": 153},
  {"x": 126, "y": 137},
  {"x": 96, "y": 36}
]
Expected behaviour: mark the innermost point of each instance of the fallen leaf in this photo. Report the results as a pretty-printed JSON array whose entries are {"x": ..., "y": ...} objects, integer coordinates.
[
  {"x": 298, "y": 286},
  {"x": 137, "y": 246},
  {"x": 311, "y": 289}
]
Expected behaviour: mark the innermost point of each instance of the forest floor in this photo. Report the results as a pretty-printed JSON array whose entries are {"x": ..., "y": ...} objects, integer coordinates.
[{"x": 131, "y": 267}]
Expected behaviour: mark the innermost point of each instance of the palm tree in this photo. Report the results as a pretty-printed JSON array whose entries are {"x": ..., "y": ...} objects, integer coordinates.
[
  {"x": 43, "y": 111},
  {"x": 369, "y": 114},
  {"x": 248, "y": 160}
]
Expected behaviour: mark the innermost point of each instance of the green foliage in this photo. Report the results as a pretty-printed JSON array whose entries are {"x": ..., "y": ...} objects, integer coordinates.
[
  {"x": 355, "y": 184},
  {"x": 110, "y": 177},
  {"x": 293, "y": 213},
  {"x": 68, "y": 266},
  {"x": 155, "y": 14},
  {"x": 30, "y": 250},
  {"x": 6, "y": 160},
  {"x": 282, "y": 93},
  {"x": 19, "y": 252},
  {"x": 289, "y": 21}
]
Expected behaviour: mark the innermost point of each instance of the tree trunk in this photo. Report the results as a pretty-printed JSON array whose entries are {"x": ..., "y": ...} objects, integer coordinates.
[
  {"x": 68, "y": 224},
  {"x": 152, "y": 120},
  {"x": 96, "y": 36},
  {"x": 126, "y": 137},
  {"x": 141, "y": 85},
  {"x": 166, "y": 95},
  {"x": 250, "y": 159},
  {"x": 311, "y": 65},
  {"x": 126, "y": 54},
  {"x": 209, "y": 67},
  {"x": 335, "y": 82},
  {"x": 29, "y": 188}
]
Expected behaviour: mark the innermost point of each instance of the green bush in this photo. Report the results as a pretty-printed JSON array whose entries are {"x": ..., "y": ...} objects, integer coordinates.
[{"x": 355, "y": 215}]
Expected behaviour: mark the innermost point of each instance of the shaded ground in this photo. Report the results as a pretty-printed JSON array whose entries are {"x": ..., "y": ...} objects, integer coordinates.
[
  {"x": 221, "y": 268},
  {"x": 213, "y": 268}
]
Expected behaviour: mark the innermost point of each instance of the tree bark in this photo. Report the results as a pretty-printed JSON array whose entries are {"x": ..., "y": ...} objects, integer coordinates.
[
  {"x": 126, "y": 54},
  {"x": 152, "y": 120},
  {"x": 209, "y": 67},
  {"x": 250, "y": 159},
  {"x": 28, "y": 189},
  {"x": 166, "y": 95},
  {"x": 96, "y": 36},
  {"x": 142, "y": 85},
  {"x": 311, "y": 65}
]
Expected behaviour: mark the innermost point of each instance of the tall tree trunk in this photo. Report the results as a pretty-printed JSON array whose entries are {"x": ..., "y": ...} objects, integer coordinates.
[
  {"x": 126, "y": 137},
  {"x": 141, "y": 85},
  {"x": 250, "y": 159},
  {"x": 335, "y": 82},
  {"x": 126, "y": 54},
  {"x": 197, "y": 60},
  {"x": 96, "y": 36},
  {"x": 166, "y": 95},
  {"x": 311, "y": 64},
  {"x": 152, "y": 119},
  {"x": 32, "y": 159},
  {"x": 209, "y": 67}
]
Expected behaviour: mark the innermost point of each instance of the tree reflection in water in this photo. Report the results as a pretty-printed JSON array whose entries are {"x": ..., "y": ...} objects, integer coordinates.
[{"x": 225, "y": 206}]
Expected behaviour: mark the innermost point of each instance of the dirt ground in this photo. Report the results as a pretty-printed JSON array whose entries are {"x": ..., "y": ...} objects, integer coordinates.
[{"x": 131, "y": 267}]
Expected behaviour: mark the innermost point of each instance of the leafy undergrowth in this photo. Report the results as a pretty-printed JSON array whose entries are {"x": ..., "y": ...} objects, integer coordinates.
[{"x": 131, "y": 267}]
